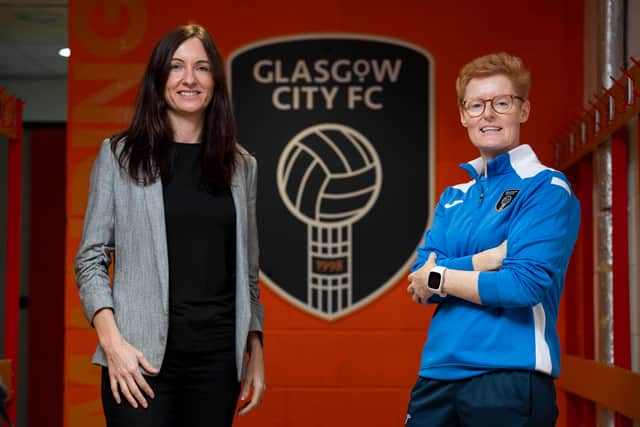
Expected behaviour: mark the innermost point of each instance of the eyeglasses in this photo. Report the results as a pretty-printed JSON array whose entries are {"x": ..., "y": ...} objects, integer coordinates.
[{"x": 501, "y": 104}]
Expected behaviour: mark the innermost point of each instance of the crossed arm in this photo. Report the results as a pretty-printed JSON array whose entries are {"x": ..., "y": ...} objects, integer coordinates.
[{"x": 458, "y": 283}]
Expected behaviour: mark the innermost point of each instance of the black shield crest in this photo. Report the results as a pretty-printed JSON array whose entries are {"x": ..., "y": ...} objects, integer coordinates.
[
  {"x": 341, "y": 128},
  {"x": 506, "y": 199}
]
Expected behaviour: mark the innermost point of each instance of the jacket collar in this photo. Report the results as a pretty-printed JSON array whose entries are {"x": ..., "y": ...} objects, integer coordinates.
[{"x": 521, "y": 160}]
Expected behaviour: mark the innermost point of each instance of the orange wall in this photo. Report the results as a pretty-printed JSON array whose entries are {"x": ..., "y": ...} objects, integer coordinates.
[{"x": 359, "y": 369}]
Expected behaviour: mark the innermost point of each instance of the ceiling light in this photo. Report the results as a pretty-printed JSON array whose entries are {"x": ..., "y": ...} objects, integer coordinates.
[{"x": 65, "y": 51}]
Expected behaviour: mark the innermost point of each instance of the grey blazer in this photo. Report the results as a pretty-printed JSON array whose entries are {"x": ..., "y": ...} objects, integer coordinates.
[{"x": 128, "y": 219}]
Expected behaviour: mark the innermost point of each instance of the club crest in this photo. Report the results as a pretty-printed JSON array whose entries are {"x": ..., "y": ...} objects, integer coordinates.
[
  {"x": 341, "y": 128},
  {"x": 506, "y": 199}
]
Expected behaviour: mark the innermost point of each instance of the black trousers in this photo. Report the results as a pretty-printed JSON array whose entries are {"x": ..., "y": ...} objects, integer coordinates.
[
  {"x": 192, "y": 389},
  {"x": 495, "y": 399}
]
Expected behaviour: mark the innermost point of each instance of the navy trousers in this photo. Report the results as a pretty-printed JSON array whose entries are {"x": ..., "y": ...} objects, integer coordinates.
[
  {"x": 495, "y": 399},
  {"x": 192, "y": 389}
]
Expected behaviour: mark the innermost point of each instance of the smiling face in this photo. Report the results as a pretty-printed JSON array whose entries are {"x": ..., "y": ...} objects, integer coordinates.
[
  {"x": 492, "y": 133},
  {"x": 189, "y": 86}
]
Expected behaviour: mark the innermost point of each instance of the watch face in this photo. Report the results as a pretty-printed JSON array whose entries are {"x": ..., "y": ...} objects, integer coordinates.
[{"x": 434, "y": 280}]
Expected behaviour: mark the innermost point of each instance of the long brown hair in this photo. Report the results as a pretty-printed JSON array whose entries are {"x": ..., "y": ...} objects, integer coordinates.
[{"x": 147, "y": 149}]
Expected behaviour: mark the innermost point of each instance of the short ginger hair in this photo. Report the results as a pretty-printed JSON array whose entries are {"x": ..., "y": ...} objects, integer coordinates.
[{"x": 491, "y": 65}]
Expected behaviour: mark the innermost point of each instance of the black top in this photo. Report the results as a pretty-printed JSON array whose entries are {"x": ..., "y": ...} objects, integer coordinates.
[{"x": 201, "y": 239}]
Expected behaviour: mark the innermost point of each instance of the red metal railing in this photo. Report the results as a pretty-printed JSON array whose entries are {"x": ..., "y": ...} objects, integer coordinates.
[
  {"x": 609, "y": 112},
  {"x": 607, "y": 119}
]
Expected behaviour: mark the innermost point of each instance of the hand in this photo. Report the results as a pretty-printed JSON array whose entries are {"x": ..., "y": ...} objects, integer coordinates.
[
  {"x": 253, "y": 381},
  {"x": 124, "y": 362},
  {"x": 418, "y": 281}
]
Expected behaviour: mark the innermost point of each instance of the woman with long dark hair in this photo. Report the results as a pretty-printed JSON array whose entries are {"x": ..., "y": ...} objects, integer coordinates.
[{"x": 172, "y": 200}]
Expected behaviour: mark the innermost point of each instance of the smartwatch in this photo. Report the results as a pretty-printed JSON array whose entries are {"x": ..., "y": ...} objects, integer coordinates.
[{"x": 435, "y": 280}]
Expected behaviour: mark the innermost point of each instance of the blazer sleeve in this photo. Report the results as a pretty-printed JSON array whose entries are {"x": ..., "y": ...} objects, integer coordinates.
[
  {"x": 257, "y": 310},
  {"x": 97, "y": 243}
]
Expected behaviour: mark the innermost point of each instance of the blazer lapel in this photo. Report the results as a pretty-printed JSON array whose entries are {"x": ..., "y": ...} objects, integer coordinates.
[
  {"x": 238, "y": 193},
  {"x": 155, "y": 210},
  {"x": 239, "y": 200}
]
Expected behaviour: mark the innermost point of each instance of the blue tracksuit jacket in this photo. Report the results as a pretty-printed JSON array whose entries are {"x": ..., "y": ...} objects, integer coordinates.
[{"x": 532, "y": 206}]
